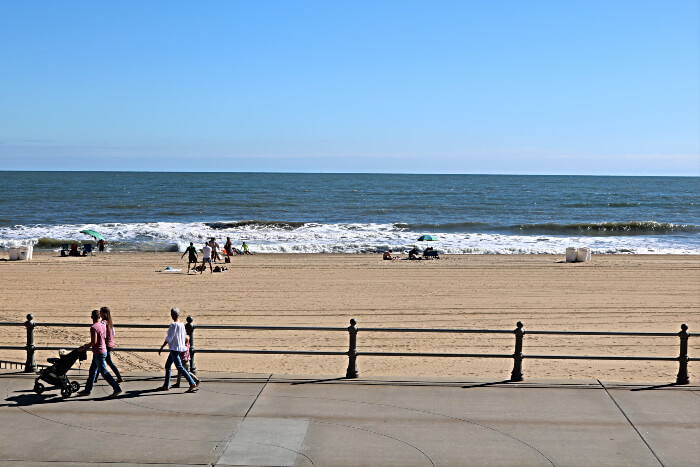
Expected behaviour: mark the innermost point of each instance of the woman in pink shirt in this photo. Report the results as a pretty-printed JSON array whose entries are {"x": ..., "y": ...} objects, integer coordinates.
[
  {"x": 99, "y": 353},
  {"x": 106, "y": 319}
]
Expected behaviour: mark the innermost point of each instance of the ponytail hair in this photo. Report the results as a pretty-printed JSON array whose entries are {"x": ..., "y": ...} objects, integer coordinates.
[{"x": 106, "y": 312}]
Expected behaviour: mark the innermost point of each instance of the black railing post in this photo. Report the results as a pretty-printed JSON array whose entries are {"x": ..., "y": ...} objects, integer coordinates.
[
  {"x": 30, "y": 365},
  {"x": 352, "y": 351},
  {"x": 189, "y": 329},
  {"x": 517, "y": 373},
  {"x": 682, "y": 377}
]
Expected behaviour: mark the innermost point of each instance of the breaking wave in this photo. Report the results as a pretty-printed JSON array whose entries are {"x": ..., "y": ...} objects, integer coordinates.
[
  {"x": 606, "y": 228},
  {"x": 253, "y": 224},
  {"x": 553, "y": 228},
  {"x": 353, "y": 238}
]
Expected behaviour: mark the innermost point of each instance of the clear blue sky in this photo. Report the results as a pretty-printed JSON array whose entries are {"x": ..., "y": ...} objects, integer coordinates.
[{"x": 532, "y": 87}]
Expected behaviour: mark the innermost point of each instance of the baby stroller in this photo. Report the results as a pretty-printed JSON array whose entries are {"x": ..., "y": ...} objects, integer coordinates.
[{"x": 55, "y": 375}]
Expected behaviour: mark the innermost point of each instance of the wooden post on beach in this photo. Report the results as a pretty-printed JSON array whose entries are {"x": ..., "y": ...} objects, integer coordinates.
[
  {"x": 682, "y": 377},
  {"x": 30, "y": 365},
  {"x": 352, "y": 351},
  {"x": 517, "y": 373},
  {"x": 189, "y": 329}
]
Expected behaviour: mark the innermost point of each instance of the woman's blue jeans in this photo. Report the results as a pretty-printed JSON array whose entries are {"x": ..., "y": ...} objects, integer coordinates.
[
  {"x": 98, "y": 364},
  {"x": 111, "y": 364},
  {"x": 174, "y": 357}
]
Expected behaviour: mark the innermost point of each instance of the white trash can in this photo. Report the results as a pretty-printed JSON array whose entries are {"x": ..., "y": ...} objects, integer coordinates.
[
  {"x": 571, "y": 255},
  {"x": 14, "y": 254},
  {"x": 583, "y": 254},
  {"x": 22, "y": 252}
]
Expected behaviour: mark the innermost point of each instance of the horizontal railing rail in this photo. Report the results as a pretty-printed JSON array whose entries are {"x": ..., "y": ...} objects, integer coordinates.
[
  {"x": 12, "y": 365},
  {"x": 352, "y": 353}
]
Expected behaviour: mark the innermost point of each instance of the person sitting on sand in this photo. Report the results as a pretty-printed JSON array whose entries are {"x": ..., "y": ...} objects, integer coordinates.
[
  {"x": 388, "y": 256},
  {"x": 245, "y": 249},
  {"x": 192, "y": 258},
  {"x": 206, "y": 258},
  {"x": 413, "y": 254}
]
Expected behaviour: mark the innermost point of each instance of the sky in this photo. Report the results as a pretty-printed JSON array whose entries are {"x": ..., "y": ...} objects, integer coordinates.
[{"x": 493, "y": 87}]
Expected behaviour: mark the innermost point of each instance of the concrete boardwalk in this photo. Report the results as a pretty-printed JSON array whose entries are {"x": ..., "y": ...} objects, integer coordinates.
[{"x": 285, "y": 420}]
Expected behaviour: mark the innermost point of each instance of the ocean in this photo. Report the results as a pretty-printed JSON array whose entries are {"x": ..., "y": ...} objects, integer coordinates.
[{"x": 353, "y": 213}]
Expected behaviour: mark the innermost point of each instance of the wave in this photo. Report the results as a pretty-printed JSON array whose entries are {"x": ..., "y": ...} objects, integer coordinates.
[
  {"x": 254, "y": 224},
  {"x": 352, "y": 238},
  {"x": 553, "y": 228},
  {"x": 605, "y": 228},
  {"x": 50, "y": 243},
  {"x": 447, "y": 227}
]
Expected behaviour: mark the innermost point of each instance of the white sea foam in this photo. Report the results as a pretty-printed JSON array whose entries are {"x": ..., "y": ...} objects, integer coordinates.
[{"x": 337, "y": 238}]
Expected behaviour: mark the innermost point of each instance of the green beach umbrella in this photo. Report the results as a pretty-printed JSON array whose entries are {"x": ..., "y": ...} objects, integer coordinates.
[
  {"x": 92, "y": 233},
  {"x": 427, "y": 238}
]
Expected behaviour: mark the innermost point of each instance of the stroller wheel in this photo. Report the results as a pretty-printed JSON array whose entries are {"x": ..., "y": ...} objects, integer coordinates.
[
  {"x": 38, "y": 387},
  {"x": 66, "y": 392},
  {"x": 74, "y": 386}
]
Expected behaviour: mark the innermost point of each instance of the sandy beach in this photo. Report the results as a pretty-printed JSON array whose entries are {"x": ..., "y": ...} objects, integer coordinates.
[{"x": 609, "y": 293}]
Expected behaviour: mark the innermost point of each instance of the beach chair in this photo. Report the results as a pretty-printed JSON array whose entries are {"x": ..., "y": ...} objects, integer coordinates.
[
  {"x": 74, "y": 250},
  {"x": 432, "y": 254},
  {"x": 87, "y": 248},
  {"x": 64, "y": 249}
]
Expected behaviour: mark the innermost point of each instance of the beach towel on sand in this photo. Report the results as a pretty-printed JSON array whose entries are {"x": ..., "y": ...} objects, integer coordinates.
[{"x": 169, "y": 269}]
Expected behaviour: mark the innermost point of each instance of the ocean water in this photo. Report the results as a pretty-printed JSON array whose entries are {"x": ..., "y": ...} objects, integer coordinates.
[{"x": 353, "y": 213}]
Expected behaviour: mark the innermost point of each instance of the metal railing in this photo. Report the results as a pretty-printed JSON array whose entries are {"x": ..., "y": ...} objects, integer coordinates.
[{"x": 352, "y": 353}]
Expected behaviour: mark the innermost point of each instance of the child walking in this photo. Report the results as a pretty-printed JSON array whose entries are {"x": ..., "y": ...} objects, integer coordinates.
[{"x": 185, "y": 358}]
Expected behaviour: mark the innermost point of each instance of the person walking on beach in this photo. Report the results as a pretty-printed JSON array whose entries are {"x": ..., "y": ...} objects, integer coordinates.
[
  {"x": 192, "y": 258},
  {"x": 176, "y": 343},
  {"x": 106, "y": 320},
  {"x": 185, "y": 357},
  {"x": 214, "y": 249},
  {"x": 228, "y": 248},
  {"x": 101, "y": 245},
  {"x": 99, "y": 354},
  {"x": 206, "y": 259}
]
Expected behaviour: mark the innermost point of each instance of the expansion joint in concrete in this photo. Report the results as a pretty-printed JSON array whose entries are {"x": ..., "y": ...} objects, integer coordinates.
[{"x": 631, "y": 424}]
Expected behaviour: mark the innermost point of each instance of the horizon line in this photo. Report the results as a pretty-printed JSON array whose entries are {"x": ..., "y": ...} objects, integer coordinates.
[{"x": 351, "y": 173}]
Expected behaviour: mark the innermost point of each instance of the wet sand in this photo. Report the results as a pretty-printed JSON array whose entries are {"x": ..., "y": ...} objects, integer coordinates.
[{"x": 610, "y": 293}]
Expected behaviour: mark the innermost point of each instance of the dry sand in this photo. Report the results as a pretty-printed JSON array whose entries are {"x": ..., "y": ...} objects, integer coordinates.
[{"x": 610, "y": 293}]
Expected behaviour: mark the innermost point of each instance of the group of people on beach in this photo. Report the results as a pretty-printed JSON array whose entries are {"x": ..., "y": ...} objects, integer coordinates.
[
  {"x": 413, "y": 254},
  {"x": 102, "y": 343},
  {"x": 210, "y": 255}
]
